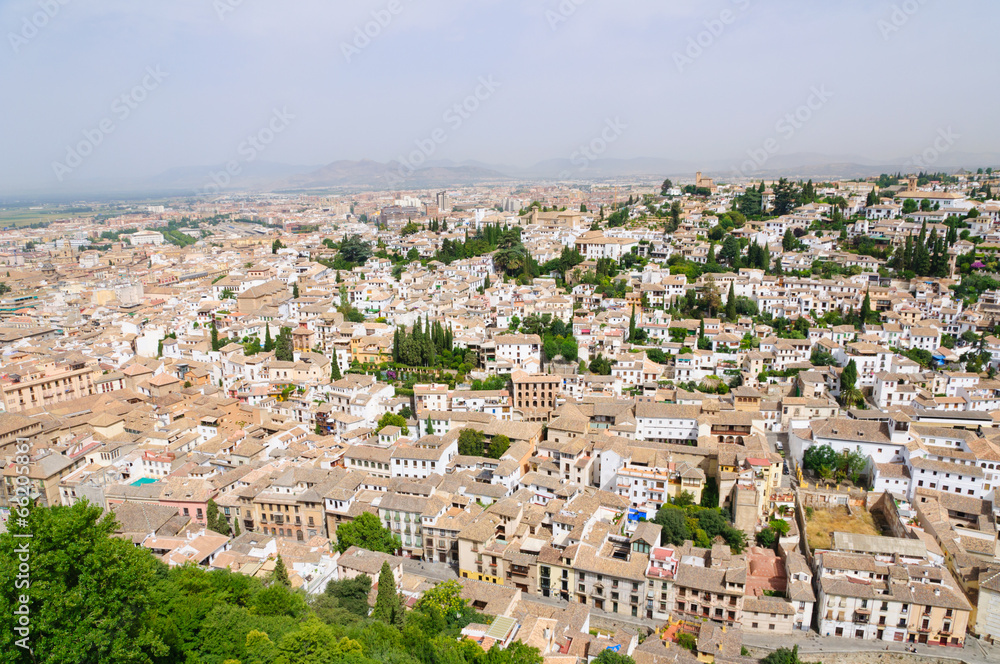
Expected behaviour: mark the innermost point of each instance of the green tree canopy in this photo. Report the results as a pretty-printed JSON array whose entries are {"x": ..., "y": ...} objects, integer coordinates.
[
  {"x": 280, "y": 573},
  {"x": 393, "y": 420},
  {"x": 611, "y": 657},
  {"x": 498, "y": 446},
  {"x": 471, "y": 442},
  {"x": 388, "y": 605},
  {"x": 351, "y": 594},
  {"x": 366, "y": 532},
  {"x": 90, "y": 595},
  {"x": 674, "y": 526},
  {"x": 354, "y": 250}
]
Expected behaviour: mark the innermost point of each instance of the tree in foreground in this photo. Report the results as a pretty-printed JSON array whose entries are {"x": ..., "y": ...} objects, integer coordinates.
[
  {"x": 442, "y": 608},
  {"x": 280, "y": 573},
  {"x": 351, "y": 594},
  {"x": 90, "y": 595},
  {"x": 388, "y": 605}
]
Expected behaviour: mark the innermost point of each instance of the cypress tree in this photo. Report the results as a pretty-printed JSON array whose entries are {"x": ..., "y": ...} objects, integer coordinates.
[
  {"x": 280, "y": 574},
  {"x": 952, "y": 236},
  {"x": 335, "y": 368},
  {"x": 849, "y": 377},
  {"x": 268, "y": 342},
  {"x": 866, "y": 309},
  {"x": 731, "y": 302},
  {"x": 388, "y": 607},
  {"x": 631, "y": 324}
]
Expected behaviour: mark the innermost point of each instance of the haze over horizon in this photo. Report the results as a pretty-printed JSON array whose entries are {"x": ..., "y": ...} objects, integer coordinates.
[{"x": 150, "y": 87}]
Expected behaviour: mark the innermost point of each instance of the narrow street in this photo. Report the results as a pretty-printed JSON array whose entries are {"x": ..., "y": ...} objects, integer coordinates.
[{"x": 812, "y": 645}]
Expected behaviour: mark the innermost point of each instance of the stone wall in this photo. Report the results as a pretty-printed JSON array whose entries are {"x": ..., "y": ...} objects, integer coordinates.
[{"x": 865, "y": 656}]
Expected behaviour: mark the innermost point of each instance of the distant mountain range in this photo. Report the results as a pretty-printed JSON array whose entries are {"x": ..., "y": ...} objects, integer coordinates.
[
  {"x": 369, "y": 174},
  {"x": 344, "y": 175}
]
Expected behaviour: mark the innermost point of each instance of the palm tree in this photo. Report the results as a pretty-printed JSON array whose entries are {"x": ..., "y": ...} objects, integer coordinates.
[{"x": 851, "y": 396}]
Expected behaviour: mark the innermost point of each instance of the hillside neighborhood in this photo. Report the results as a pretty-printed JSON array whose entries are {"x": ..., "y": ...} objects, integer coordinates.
[{"x": 679, "y": 421}]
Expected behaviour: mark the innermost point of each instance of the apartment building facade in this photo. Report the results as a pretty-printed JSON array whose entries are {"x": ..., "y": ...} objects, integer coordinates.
[
  {"x": 864, "y": 596},
  {"x": 46, "y": 384}
]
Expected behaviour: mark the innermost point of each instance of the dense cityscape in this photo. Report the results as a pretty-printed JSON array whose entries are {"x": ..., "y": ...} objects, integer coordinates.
[
  {"x": 521, "y": 332},
  {"x": 657, "y": 422}
]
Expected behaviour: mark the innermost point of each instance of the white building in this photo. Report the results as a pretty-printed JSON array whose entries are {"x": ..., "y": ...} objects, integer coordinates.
[
  {"x": 667, "y": 423},
  {"x": 145, "y": 237}
]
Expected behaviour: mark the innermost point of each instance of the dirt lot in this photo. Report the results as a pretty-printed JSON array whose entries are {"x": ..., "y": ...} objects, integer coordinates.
[{"x": 825, "y": 521}]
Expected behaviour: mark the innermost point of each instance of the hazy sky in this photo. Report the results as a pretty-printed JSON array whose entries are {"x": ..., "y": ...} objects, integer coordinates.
[{"x": 890, "y": 77}]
